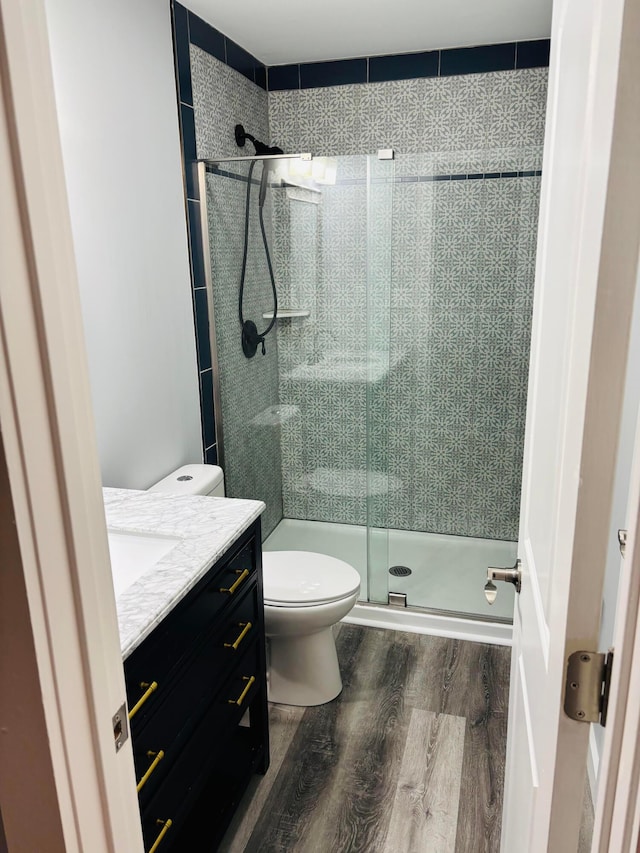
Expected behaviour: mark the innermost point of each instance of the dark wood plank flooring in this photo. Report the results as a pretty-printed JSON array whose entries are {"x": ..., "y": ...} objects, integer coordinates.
[{"x": 408, "y": 759}]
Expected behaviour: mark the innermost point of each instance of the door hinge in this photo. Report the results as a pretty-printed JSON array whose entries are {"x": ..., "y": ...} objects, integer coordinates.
[{"x": 586, "y": 692}]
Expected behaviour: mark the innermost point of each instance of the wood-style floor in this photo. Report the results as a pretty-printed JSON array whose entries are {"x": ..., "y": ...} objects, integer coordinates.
[{"x": 408, "y": 759}]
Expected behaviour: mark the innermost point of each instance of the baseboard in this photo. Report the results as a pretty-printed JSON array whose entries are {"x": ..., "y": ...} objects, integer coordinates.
[{"x": 416, "y": 621}]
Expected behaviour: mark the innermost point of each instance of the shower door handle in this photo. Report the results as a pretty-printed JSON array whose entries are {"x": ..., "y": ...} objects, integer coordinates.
[{"x": 509, "y": 575}]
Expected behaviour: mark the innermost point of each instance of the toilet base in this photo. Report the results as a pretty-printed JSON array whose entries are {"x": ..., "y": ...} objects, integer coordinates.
[{"x": 304, "y": 670}]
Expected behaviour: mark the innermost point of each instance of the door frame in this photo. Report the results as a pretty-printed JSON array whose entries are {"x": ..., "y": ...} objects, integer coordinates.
[
  {"x": 617, "y": 818},
  {"x": 617, "y": 807},
  {"x": 63, "y": 787}
]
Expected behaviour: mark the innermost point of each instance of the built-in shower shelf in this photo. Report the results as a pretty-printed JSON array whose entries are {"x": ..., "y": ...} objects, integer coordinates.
[{"x": 287, "y": 314}]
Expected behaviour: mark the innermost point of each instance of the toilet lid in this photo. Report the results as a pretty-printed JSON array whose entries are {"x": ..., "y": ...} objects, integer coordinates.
[{"x": 304, "y": 577}]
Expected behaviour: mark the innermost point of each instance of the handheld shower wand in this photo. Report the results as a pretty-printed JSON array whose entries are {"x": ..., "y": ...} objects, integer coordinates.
[{"x": 251, "y": 338}]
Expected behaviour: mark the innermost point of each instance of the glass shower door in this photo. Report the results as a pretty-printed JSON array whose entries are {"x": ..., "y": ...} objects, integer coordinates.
[
  {"x": 380, "y": 482},
  {"x": 320, "y": 245},
  {"x": 463, "y": 240}
]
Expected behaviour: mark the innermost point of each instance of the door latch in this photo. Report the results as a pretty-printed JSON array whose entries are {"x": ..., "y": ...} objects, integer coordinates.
[
  {"x": 509, "y": 575},
  {"x": 120, "y": 723},
  {"x": 622, "y": 540},
  {"x": 586, "y": 692}
]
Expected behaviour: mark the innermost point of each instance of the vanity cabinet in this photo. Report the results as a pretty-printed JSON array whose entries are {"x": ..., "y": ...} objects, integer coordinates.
[{"x": 196, "y": 689}]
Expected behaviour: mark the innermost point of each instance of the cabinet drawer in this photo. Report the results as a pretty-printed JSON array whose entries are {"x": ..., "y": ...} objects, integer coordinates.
[
  {"x": 177, "y": 713},
  {"x": 193, "y": 763},
  {"x": 157, "y": 660},
  {"x": 215, "y": 804}
]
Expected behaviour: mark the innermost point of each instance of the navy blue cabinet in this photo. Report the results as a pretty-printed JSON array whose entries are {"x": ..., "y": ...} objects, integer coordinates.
[{"x": 196, "y": 689}]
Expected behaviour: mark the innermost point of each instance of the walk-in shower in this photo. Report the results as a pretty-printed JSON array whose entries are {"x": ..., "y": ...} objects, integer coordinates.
[{"x": 384, "y": 424}]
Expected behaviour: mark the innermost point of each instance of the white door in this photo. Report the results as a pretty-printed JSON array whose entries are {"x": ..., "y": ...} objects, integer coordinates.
[{"x": 585, "y": 280}]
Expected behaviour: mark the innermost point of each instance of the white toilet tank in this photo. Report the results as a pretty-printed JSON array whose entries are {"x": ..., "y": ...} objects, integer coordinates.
[{"x": 193, "y": 480}]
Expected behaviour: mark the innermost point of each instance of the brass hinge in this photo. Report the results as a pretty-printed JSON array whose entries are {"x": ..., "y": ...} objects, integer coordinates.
[{"x": 586, "y": 692}]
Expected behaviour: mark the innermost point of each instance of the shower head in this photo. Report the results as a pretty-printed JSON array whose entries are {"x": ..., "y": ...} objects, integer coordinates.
[{"x": 261, "y": 148}]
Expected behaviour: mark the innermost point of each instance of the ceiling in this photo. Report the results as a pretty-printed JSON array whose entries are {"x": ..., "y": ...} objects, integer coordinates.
[{"x": 282, "y": 31}]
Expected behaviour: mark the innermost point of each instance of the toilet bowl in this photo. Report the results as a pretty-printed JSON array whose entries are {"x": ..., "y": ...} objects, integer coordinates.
[{"x": 305, "y": 594}]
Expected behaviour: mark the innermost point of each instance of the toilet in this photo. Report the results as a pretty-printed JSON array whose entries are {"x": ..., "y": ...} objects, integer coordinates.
[
  {"x": 305, "y": 595},
  {"x": 193, "y": 480}
]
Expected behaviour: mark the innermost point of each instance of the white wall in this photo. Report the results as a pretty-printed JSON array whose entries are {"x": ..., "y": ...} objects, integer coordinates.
[{"x": 115, "y": 89}]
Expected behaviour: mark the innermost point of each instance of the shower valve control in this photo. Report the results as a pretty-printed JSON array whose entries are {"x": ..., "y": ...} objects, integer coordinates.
[{"x": 509, "y": 575}]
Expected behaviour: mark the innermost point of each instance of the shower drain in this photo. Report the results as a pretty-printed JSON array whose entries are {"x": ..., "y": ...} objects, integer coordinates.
[{"x": 400, "y": 571}]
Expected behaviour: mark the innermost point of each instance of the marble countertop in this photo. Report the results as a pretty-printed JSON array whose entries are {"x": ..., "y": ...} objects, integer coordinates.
[{"x": 206, "y": 526}]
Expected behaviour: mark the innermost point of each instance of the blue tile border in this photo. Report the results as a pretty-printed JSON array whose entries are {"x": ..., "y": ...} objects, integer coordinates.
[
  {"x": 241, "y": 60},
  {"x": 337, "y": 73},
  {"x": 532, "y": 54},
  {"x": 508, "y": 56},
  {"x": 425, "y": 179},
  {"x": 207, "y": 37},
  {"x": 478, "y": 60},
  {"x": 189, "y": 153},
  {"x": 234, "y": 176},
  {"x": 260, "y": 75},
  {"x": 400, "y": 179},
  {"x": 181, "y": 43},
  {"x": 195, "y": 243},
  {"x": 403, "y": 66},
  {"x": 215, "y": 43},
  {"x": 211, "y": 455},
  {"x": 201, "y": 311},
  {"x": 206, "y": 397},
  {"x": 282, "y": 77}
]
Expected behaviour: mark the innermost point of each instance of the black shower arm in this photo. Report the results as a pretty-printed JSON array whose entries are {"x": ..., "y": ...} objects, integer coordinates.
[{"x": 242, "y": 136}]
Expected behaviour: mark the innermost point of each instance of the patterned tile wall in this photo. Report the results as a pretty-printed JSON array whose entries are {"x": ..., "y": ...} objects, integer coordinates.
[
  {"x": 222, "y": 97},
  {"x": 460, "y": 323},
  {"x": 436, "y": 276},
  {"x": 321, "y": 255},
  {"x": 495, "y": 120}
]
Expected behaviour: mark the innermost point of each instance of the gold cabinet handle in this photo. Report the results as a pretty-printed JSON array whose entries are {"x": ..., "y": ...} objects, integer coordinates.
[
  {"x": 247, "y": 688},
  {"x": 150, "y": 689},
  {"x": 246, "y": 627},
  {"x": 244, "y": 574},
  {"x": 166, "y": 826},
  {"x": 158, "y": 758}
]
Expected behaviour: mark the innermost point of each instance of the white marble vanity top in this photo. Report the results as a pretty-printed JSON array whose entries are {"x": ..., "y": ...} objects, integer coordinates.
[{"x": 206, "y": 527}]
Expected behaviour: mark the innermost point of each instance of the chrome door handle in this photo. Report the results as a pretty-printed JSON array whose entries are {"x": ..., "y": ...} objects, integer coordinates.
[{"x": 512, "y": 575}]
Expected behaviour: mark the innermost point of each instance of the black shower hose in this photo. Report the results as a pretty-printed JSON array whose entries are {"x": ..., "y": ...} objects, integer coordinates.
[{"x": 261, "y": 335}]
